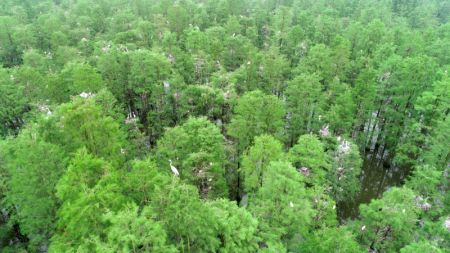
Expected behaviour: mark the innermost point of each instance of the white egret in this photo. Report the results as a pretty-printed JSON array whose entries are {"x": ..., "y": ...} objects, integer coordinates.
[{"x": 174, "y": 170}]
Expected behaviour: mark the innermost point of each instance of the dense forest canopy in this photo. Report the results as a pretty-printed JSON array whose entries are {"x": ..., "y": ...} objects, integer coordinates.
[{"x": 224, "y": 125}]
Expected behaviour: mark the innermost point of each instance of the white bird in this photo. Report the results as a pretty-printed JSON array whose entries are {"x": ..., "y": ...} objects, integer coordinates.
[
  {"x": 363, "y": 228},
  {"x": 85, "y": 94},
  {"x": 174, "y": 170},
  {"x": 291, "y": 204}
]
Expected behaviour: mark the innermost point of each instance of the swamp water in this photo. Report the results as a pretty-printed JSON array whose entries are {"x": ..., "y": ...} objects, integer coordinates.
[{"x": 377, "y": 176}]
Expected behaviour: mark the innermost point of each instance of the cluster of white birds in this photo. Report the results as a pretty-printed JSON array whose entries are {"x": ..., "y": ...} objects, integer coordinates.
[
  {"x": 131, "y": 118},
  {"x": 344, "y": 146},
  {"x": 423, "y": 203},
  {"x": 324, "y": 131},
  {"x": 341, "y": 173},
  {"x": 86, "y": 94},
  {"x": 305, "y": 171},
  {"x": 45, "y": 109}
]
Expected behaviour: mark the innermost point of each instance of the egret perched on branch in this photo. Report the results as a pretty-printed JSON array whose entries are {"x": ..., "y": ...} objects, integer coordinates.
[{"x": 174, "y": 170}]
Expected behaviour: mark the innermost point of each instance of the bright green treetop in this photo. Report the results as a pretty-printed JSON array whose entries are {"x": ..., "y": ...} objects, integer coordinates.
[
  {"x": 387, "y": 224},
  {"x": 282, "y": 205},
  {"x": 309, "y": 157},
  {"x": 256, "y": 161},
  {"x": 40, "y": 164},
  {"x": 196, "y": 150}
]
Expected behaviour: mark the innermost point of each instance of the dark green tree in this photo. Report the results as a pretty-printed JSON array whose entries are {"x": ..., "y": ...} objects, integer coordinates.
[
  {"x": 30, "y": 159},
  {"x": 256, "y": 114},
  {"x": 304, "y": 104},
  {"x": 13, "y": 104}
]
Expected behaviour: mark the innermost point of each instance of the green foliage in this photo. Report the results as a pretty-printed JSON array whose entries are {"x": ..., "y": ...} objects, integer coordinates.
[
  {"x": 148, "y": 70},
  {"x": 335, "y": 239},
  {"x": 196, "y": 149},
  {"x": 74, "y": 79},
  {"x": 425, "y": 181},
  {"x": 319, "y": 61},
  {"x": 97, "y": 96},
  {"x": 273, "y": 70},
  {"x": 31, "y": 83},
  {"x": 309, "y": 153},
  {"x": 342, "y": 113},
  {"x": 81, "y": 123},
  {"x": 237, "y": 228},
  {"x": 438, "y": 154},
  {"x": 83, "y": 173},
  {"x": 431, "y": 187},
  {"x": 13, "y": 104},
  {"x": 88, "y": 189},
  {"x": 235, "y": 51},
  {"x": 387, "y": 224},
  {"x": 30, "y": 159},
  {"x": 189, "y": 222},
  {"x": 304, "y": 103},
  {"x": 178, "y": 18},
  {"x": 9, "y": 53},
  {"x": 345, "y": 171},
  {"x": 256, "y": 114},
  {"x": 281, "y": 205},
  {"x": 143, "y": 181},
  {"x": 132, "y": 230},
  {"x": 256, "y": 161},
  {"x": 418, "y": 247},
  {"x": 114, "y": 66},
  {"x": 197, "y": 101},
  {"x": 324, "y": 207}
]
